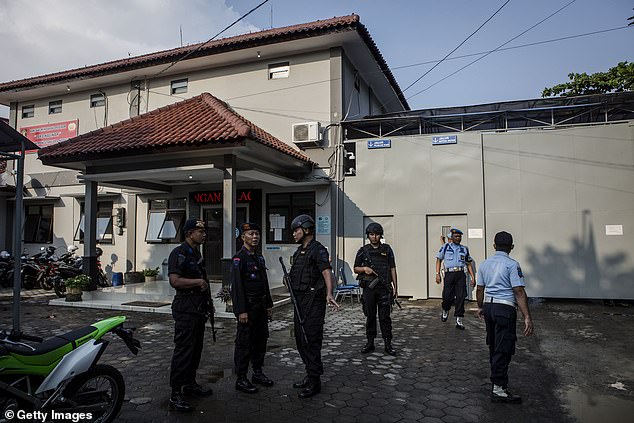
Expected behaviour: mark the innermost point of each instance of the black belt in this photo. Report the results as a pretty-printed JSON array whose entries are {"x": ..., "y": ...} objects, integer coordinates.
[{"x": 183, "y": 292}]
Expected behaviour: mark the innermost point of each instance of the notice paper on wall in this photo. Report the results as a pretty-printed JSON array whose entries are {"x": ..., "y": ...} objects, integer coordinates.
[
  {"x": 277, "y": 221},
  {"x": 277, "y": 236},
  {"x": 475, "y": 233},
  {"x": 614, "y": 229}
]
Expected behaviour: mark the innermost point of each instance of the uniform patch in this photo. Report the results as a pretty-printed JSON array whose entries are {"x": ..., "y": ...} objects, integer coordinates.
[
  {"x": 180, "y": 260},
  {"x": 519, "y": 272},
  {"x": 236, "y": 261}
]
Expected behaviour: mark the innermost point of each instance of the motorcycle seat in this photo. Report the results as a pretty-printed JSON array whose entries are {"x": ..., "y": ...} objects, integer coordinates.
[{"x": 51, "y": 344}]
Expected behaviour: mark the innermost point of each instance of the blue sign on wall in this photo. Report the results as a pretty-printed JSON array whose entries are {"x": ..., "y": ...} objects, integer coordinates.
[
  {"x": 447, "y": 139},
  {"x": 380, "y": 144}
]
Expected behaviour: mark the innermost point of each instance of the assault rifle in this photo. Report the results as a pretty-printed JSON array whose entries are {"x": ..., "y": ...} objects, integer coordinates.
[
  {"x": 379, "y": 278},
  {"x": 211, "y": 312},
  {"x": 287, "y": 282}
]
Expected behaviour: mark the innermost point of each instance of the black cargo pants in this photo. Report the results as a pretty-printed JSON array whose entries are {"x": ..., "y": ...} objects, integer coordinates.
[
  {"x": 189, "y": 334},
  {"x": 500, "y": 322},
  {"x": 251, "y": 339},
  {"x": 378, "y": 299},
  {"x": 313, "y": 311}
]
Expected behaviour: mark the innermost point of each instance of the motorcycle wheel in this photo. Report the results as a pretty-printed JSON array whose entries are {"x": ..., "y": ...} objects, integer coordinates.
[
  {"x": 59, "y": 287},
  {"x": 99, "y": 391},
  {"x": 102, "y": 280},
  {"x": 47, "y": 283},
  {"x": 28, "y": 282}
]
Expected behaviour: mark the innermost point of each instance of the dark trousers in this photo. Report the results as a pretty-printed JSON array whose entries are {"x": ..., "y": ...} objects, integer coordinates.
[
  {"x": 189, "y": 333},
  {"x": 500, "y": 322},
  {"x": 314, "y": 312},
  {"x": 377, "y": 299},
  {"x": 251, "y": 341},
  {"x": 454, "y": 292}
]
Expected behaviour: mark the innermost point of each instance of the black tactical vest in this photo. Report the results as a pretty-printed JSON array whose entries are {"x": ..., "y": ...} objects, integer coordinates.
[{"x": 380, "y": 260}]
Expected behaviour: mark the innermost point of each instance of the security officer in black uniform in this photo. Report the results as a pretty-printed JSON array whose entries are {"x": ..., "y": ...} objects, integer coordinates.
[
  {"x": 189, "y": 308},
  {"x": 312, "y": 282},
  {"x": 376, "y": 268},
  {"x": 253, "y": 306}
]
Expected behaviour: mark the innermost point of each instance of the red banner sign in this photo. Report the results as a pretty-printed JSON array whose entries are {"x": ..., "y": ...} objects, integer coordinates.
[
  {"x": 50, "y": 133},
  {"x": 215, "y": 197}
]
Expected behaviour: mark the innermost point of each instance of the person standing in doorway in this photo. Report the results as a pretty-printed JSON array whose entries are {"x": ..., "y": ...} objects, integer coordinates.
[
  {"x": 376, "y": 266},
  {"x": 455, "y": 257},
  {"x": 312, "y": 282},
  {"x": 253, "y": 307},
  {"x": 500, "y": 291},
  {"x": 189, "y": 308}
]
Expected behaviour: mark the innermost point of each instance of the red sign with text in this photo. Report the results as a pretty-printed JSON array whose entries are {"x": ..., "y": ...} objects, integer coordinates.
[
  {"x": 215, "y": 197},
  {"x": 50, "y": 133}
]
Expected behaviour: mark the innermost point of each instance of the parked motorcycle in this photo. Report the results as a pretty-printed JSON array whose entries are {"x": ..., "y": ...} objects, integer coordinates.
[
  {"x": 34, "y": 272},
  {"x": 61, "y": 376},
  {"x": 6, "y": 269},
  {"x": 69, "y": 266}
]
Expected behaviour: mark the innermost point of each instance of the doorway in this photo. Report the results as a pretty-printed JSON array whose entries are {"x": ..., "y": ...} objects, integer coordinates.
[
  {"x": 437, "y": 226},
  {"x": 212, "y": 249}
]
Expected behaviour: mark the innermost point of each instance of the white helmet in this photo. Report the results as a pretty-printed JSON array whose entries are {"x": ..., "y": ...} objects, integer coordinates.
[{"x": 72, "y": 248}]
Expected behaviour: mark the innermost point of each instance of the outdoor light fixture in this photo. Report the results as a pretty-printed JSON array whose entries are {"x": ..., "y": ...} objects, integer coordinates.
[
  {"x": 190, "y": 177},
  {"x": 259, "y": 55},
  {"x": 67, "y": 87}
]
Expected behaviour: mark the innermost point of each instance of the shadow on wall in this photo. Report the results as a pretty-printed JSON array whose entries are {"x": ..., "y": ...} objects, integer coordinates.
[{"x": 579, "y": 271}]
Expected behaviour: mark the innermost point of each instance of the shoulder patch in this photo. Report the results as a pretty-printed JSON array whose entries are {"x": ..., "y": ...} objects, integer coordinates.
[
  {"x": 519, "y": 272},
  {"x": 236, "y": 261}
]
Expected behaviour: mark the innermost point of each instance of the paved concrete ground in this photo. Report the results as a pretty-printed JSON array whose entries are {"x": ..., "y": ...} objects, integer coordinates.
[{"x": 578, "y": 367}]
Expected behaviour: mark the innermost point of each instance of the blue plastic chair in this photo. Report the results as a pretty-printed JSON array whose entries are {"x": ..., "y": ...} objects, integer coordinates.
[{"x": 344, "y": 289}]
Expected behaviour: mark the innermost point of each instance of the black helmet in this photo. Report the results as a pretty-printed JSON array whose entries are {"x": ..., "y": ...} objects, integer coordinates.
[
  {"x": 374, "y": 228},
  {"x": 304, "y": 221}
]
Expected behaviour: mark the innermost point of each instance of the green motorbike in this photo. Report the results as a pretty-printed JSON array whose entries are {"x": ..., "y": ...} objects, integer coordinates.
[{"x": 60, "y": 379}]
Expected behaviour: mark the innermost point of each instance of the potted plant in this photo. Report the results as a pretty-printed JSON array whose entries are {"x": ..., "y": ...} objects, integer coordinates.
[
  {"x": 75, "y": 285},
  {"x": 151, "y": 274}
]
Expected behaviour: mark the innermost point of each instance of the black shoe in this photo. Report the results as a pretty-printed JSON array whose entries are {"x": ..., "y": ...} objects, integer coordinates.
[
  {"x": 243, "y": 385},
  {"x": 388, "y": 348},
  {"x": 507, "y": 397},
  {"x": 312, "y": 389},
  {"x": 444, "y": 316},
  {"x": 369, "y": 346},
  {"x": 178, "y": 403},
  {"x": 260, "y": 378},
  {"x": 197, "y": 390},
  {"x": 301, "y": 384}
]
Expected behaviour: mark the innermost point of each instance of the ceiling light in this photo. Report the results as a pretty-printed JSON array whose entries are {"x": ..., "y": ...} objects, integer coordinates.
[
  {"x": 259, "y": 55},
  {"x": 67, "y": 87},
  {"x": 190, "y": 177}
]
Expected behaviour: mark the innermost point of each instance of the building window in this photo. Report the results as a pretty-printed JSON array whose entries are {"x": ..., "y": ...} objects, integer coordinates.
[
  {"x": 281, "y": 209},
  {"x": 165, "y": 221},
  {"x": 104, "y": 223},
  {"x": 55, "y": 107},
  {"x": 279, "y": 70},
  {"x": 179, "y": 86},
  {"x": 28, "y": 111},
  {"x": 97, "y": 100},
  {"x": 38, "y": 224}
]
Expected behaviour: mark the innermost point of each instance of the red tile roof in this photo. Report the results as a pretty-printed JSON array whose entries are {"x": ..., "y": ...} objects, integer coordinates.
[
  {"x": 201, "y": 121},
  {"x": 270, "y": 36}
]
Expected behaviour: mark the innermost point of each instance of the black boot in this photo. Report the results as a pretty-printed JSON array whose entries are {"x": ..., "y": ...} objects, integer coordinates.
[
  {"x": 388, "y": 347},
  {"x": 369, "y": 346},
  {"x": 178, "y": 403},
  {"x": 197, "y": 390},
  {"x": 301, "y": 384},
  {"x": 260, "y": 378},
  {"x": 243, "y": 385},
  {"x": 313, "y": 388}
]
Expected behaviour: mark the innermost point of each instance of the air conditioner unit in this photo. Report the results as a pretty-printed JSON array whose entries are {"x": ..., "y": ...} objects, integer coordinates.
[{"x": 306, "y": 134}]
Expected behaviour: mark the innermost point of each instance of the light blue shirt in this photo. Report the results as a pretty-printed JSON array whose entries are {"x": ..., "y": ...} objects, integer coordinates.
[
  {"x": 499, "y": 274},
  {"x": 454, "y": 255}
]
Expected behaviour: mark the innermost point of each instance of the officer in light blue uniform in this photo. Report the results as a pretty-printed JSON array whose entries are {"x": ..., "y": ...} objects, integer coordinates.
[
  {"x": 500, "y": 291},
  {"x": 455, "y": 257}
]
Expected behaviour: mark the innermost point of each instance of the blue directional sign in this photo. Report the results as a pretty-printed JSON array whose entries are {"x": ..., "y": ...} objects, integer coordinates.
[
  {"x": 380, "y": 144},
  {"x": 447, "y": 139}
]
